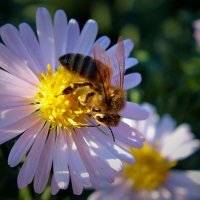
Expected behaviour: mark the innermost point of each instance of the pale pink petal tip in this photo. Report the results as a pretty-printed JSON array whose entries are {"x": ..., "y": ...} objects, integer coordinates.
[
  {"x": 130, "y": 62},
  {"x": 87, "y": 37},
  {"x": 54, "y": 187},
  {"x": 132, "y": 80},
  {"x": 134, "y": 111}
]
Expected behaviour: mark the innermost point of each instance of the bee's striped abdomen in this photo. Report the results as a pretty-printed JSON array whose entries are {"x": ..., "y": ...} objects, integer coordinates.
[{"x": 83, "y": 65}]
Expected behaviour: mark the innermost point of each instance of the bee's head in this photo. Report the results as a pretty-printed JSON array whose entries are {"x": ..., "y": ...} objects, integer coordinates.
[{"x": 107, "y": 119}]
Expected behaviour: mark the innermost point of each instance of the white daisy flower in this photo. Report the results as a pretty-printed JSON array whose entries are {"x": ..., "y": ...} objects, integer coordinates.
[
  {"x": 49, "y": 124},
  {"x": 151, "y": 176}
]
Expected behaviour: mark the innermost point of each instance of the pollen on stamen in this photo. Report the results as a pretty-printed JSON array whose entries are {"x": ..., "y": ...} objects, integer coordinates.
[
  {"x": 149, "y": 170},
  {"x": 56, "y": 108}
]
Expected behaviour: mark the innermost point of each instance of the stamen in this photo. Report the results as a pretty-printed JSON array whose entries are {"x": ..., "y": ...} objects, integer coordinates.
[
  {"x": 149, "y": 170},
  {"x": 57, "y": 108}
]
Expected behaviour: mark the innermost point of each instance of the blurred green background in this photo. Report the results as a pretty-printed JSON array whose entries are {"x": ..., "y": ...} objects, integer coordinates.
[{"x": 169, "y": 61}]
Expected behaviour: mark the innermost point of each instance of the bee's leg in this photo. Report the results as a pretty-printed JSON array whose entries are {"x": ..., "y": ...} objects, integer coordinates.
[
  {"x": 96, "y": 125},
  {"x": 93, "y": 109},
  {"x": 83, "y": 100},
  {"x": 84, "y": 125},
  {"x": 112, "y": 134},
  {"x": 89, "y": 125},
  {"x": 70, "y": 89}
]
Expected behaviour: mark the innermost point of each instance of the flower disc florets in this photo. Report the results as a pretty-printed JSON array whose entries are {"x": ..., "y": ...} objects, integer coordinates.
[
  {"x": 57, "y": 108},
  {"x": 150, "y": 169}
]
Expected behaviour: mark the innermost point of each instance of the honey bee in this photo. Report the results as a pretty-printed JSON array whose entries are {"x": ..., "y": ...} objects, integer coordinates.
[{"x": 107, "y": 97}]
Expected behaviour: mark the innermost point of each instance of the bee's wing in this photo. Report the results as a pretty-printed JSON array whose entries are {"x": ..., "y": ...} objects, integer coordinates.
[
  {"x": 104, "y": 69},
  {"x": 120, "y": 59}
]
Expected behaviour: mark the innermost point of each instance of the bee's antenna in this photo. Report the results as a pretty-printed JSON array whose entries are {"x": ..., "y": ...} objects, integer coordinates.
[
  {"x": 112, "y": 133},
  {"x": 97, "y": 126},
  {"x": 74, "y": 130}
]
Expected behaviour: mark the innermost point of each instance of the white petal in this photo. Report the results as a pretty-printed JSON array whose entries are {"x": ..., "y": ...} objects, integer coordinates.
[
  {"x": 7, "y": 78},
  {"x": 12, "y": 101},
  {"x": 60, "y": 160},
  {"x": 194, "y": 176},
  {"x": 17, "y": 128},
  {"x": 23, "y": 124},
  {"x": 128, "y": 46},
  {"x": 13, "y": 90},
  {"x": 111, "y": 147},
  {"x": 85, "y": 156},
  {"x": 184, "y": 184},
  {"x": 179, "y": 143},
  {"x": 33, "y": 47},
  {"x": 103, "y": 41},
  {"x": 14, "y": 65},
  {"x": 166, "y": 125},
  {"x": 134, "y": 111},
  {"x": 132, "y": 80},
  {"x": 60, "y": 32},
  {"x": 14, "y": 41},
  {"x": 162, "y": 193},
  {"x": 102, "y": 159},
  {"x": 146, "y": 127},
  {"x": 130, "y": 62},
  {"x": 97, "y": 195},
  {"x": 77, "y": 184},
  {"x": 23, "y": 144},
  {"x": 12, "y": 115},
  {"x": 54, "y": 187},
  {"x": 73, "y": 33},
  {"x": 128, "y": 135},
  {"x": 28, "y": 169},
  {"x": 114, "y": 191},
  {"x": 184, "y": 150},
  {"x": 76, "y": 163},
  {"x": 87, "y": 37},
  {"x": 46, "y": 36},
  {"x": 45, "y": 164}
]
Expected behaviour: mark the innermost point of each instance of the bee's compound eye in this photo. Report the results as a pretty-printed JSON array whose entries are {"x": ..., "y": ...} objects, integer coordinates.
[
  {"x": 108, "y": 120},
  {"x": 100, "y": 116},
  {"x": 96, "y": 110}
]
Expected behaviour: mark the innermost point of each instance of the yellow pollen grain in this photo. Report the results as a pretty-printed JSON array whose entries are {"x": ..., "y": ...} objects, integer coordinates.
[
  {"x": 150, "y": 169},
  {"x": 58, "y": 109}
]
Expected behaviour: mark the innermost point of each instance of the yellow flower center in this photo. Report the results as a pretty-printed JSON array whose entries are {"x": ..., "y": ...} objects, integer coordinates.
[
  {"x": 149, "y": 170},
  {"x": 63, "y": 110}
]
